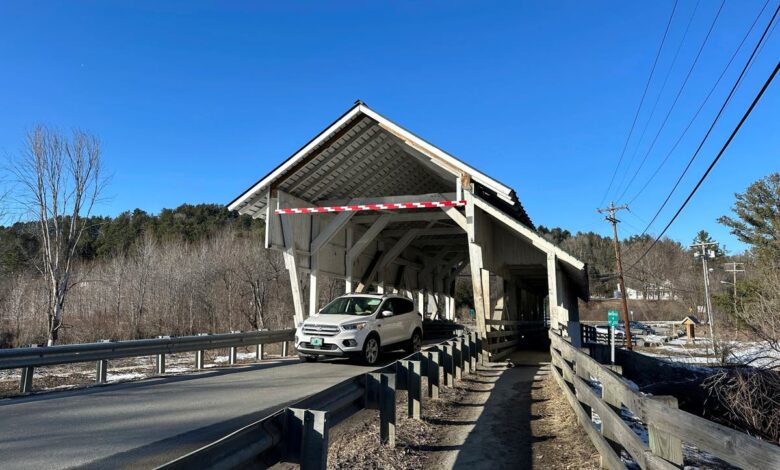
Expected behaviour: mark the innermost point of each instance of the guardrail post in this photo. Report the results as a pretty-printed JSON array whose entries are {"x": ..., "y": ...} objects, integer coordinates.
[
  {"x": 457, "y": 358},
  {"x": 664, "y": 445},
  {"x": 373, "y": 388},
  {"x": 26, "y": 383},
  {"x": 232, "y": 355},
  {"x": 200, "y": 358},
  {"x": 466, "y": 355},
  {"x": 448, "y": 365},
  {"x": 414, "y": 386},
  {"x": 284, "y": 349},
  {"x": 101, "y": 371},
  {"x": 160, "y": 363},
  {"x": 474, "y": 351},
  {"x": 432, "y": 358},
  {"x": 314, "y": 442},
  {"x": 259, "y": 352},
  {"x": 387, "y": 409},
  {"x": 402, "y": 375}
]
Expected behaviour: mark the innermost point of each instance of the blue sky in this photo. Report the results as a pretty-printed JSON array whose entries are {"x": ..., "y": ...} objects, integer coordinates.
[{"x": 194, "y": 101}]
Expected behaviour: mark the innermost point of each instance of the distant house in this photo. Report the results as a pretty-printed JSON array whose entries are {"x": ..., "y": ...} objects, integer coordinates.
[
  {"x": 633, "y": 294},
  {"x": 663, "y": 291}
]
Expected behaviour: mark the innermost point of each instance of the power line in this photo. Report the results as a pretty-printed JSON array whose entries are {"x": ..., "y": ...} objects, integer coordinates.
[
  {"x": 714, "y": 122},
  {"x": 674, "y": 103},
  {"x": 641, "y": 102},
  {"x": 703, "y": 103},
  {"x": 658, "y": 97},
  {"x": 714, "y": 161}
]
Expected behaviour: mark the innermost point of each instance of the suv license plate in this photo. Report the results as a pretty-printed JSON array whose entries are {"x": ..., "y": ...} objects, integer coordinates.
[{"x": 316, "y": 341}]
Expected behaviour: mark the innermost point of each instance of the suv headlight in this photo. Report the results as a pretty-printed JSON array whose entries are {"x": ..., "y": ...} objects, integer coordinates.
[{"x": 354, "y": 326}]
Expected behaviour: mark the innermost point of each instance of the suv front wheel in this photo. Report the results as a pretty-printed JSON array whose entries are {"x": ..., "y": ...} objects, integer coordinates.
[{"x": 371, "y": 350}]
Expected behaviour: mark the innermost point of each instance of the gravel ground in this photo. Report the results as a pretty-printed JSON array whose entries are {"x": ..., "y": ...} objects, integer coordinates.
[{"x": 498, "y": 417}]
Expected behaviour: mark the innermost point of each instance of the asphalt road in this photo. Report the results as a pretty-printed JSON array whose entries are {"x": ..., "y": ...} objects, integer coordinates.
[{"x": 143, "y": 424}]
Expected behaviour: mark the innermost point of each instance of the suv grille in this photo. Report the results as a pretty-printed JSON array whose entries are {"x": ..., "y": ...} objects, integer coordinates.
[{"x": 320, "y": 330}]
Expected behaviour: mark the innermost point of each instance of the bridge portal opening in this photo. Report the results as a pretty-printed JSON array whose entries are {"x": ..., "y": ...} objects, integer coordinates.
[{"x": 367, "y": 205}]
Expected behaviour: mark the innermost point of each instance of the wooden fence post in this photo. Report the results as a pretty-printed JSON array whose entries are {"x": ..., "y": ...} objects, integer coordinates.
[{"x": 662, "y": 444}]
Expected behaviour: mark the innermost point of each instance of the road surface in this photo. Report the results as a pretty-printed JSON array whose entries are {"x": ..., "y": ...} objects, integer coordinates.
[{"x": 146, "y": 423}]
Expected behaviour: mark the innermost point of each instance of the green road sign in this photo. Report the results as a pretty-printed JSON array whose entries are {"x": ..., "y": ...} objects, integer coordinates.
[{"x": 612, "y": 317}]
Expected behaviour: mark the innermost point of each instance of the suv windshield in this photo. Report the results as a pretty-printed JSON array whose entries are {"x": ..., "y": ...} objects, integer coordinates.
[{"x": 360, "y": 306}]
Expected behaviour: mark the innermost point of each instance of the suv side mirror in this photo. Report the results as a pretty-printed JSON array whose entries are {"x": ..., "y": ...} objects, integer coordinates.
[{"x": 387, "y": 313}]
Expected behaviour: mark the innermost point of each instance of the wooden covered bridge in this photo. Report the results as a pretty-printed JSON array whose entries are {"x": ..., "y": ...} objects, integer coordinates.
[{"x": 370, "y": 203}]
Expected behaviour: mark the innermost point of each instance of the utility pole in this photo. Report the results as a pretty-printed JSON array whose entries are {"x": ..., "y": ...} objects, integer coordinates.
[
  {"x": 734, "y": 269},
  {"x": 704, "y": 253},
  {"x": 612, "y": 210}
]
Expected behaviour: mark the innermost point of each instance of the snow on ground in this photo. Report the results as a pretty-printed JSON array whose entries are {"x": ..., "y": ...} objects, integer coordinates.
[
  {"x": 125, "y": 376},
  {"x": 700, "y": 352}
]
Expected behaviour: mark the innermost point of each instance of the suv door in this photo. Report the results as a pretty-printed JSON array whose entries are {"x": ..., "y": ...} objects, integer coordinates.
[
  {"x": 405, "y": 309},
  {"x": 392, "y": 327}
]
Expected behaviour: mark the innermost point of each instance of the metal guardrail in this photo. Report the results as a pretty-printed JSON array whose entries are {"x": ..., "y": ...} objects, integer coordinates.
[
  {"x": 299, "y": 433},
  {"x": 667, "y": 426},
  {"x": 29, "y": 358}
]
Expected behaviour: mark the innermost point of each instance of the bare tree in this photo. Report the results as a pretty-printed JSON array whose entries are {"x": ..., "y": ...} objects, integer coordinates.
[{"x": 60, "y": 179}]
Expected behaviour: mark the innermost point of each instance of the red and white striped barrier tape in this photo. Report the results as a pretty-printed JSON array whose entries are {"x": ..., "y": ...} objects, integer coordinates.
[{"x": 371, "y": 207}]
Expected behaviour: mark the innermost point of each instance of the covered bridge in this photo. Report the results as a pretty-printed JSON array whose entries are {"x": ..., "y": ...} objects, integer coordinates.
[{"x": 370, "y": 203}]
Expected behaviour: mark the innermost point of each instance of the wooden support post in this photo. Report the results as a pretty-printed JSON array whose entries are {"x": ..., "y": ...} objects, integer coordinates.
[
  {"x": 101, "y": 371},
  {"x": 387, "y": 410},
  {"x": 160, "y": 364},
  {"x": 414, "y": 387},
  {"x": 291, "y": 263},
  {"x": 475, "y": 264},
  {"x": 349, "y": 235},
  {"x": 26, "y": 382},
  {"x": 434, "y": 372},
  {"x": 664, "y": 445},
  {"x": 200, "y": 357}
]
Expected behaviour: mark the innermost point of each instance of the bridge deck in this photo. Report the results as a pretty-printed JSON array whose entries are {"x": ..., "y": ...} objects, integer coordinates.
[{"x": 142, "y": 424}]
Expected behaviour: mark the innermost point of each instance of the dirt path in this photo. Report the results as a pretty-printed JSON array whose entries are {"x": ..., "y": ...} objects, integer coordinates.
[{"x": 498, "y": 417}]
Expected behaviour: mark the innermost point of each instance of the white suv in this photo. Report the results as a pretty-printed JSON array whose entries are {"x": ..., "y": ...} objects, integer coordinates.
[{"x": 360, "y": 325}]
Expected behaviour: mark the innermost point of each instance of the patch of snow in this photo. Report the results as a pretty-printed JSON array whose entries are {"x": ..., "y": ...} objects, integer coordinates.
[
  {"x": 596, "y": 420},
  {"x": 125, "y": 376},
  {"x": 655, "y": 338}
]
